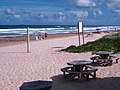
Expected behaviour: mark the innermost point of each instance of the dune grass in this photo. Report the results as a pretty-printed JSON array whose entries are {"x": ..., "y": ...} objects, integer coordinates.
[{"x": 106, "y": 43}]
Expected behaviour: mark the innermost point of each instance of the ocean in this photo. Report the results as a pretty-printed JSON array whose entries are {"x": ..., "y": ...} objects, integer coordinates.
[{"x": 20, "y": 30}]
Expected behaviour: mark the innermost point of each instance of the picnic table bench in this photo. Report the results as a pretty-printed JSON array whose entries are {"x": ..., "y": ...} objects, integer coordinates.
[
  {"x": 114, "y": 58},
  {"x": 36, "y": 85},
  {"x": 104, "y": 58},
  {"x": 106, "y": 61},
  {"x": 89, "y": 71}
]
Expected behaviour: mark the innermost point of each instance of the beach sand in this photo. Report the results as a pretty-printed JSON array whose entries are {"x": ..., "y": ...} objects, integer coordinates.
[
  {"x": 45, "y": 61},
  {"x": 7, "y": 41}
]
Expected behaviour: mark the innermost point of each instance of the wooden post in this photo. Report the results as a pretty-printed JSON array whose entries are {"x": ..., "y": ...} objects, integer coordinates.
[
  {"x": 79, "y": 33},
  {"x": 28, "y": 40},
  {"x": 83, "y": 34},
  {"x": 80, "y": 30}
]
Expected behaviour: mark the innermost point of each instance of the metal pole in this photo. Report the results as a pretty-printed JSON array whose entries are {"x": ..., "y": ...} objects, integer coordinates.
[{"x": 28, "y": 40}]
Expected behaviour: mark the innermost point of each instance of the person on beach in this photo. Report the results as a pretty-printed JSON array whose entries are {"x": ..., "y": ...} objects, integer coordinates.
[
  {"x": 36, "y": 38},
  {"x": 39, "y": 35},
  {"x": 42, "y": 37},
  {"x": 46, "y": 35}
]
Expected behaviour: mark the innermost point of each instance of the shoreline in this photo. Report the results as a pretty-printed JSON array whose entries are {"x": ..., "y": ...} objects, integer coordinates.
[{"x": 7, "y": 41}]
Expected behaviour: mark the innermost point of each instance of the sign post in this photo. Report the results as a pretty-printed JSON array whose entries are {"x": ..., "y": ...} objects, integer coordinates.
[
  {"x": 79, "y": 33},
  {"x": 80, "y": 30},
  {"x": 28, "y": 40},
  {"x": 83, "y": 34}
]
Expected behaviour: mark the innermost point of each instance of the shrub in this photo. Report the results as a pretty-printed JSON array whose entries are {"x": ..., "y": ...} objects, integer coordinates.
[{"x": 102, "y": 44}]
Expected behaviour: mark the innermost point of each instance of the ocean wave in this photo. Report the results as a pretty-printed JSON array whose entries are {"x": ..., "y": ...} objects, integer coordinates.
[{"x": 53, "y": 30}]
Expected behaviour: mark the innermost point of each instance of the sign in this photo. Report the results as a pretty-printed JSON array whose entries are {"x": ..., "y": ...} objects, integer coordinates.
[
  {"x": 80, "y": 26},
  {"x": 80, "y": 31}
]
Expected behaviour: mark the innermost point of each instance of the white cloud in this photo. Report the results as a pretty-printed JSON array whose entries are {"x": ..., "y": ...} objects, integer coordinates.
[
  {"x": 83, "y": 3},
  {"x": 100, "y": 12},
  {"x": 17, "y": 16},
  {"x": 97, "y": 12},
  {"x": 41, "y": 16},
  {"x": 80, "y": 14},
  {"x": 59, "y": 16},
  {"x": 12, "y": 13},
  {"x": 9, "y": 11},
  {"x": 114, "y": 5},
  {"x": 50, "y": 16},
  {"x": 62, "y": 17}
]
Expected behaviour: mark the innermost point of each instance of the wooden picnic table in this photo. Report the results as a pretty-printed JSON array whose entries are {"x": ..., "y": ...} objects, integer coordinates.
[
  {"x": 78, "y": 65},
  {"x": 79, "y": 69},
  {"x": 104, "y": 54},
  {"x": 104, "y": 58}
]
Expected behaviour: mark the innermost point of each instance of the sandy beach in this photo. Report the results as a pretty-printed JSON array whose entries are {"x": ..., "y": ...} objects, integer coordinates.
[
  {"x": 7, "y": 41},
  {"x": 45, "y": 61}
]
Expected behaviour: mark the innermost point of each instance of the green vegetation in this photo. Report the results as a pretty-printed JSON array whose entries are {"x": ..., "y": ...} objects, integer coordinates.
[{"x": 106, "y": 43}]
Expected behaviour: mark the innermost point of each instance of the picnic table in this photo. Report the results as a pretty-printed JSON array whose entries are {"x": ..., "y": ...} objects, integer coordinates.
[
  {"x": 104, "y": 58},
  {"x": 78, "y": 65},
  {"x": 79, "y": 68},
  {"x": 104, "y": 54}
]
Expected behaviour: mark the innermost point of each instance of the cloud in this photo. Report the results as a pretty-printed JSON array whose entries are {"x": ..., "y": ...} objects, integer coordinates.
[
  {"x": 26, "y": 12},
  {"x": 9, "y": 11},
  {"x": 82, "y": 3},
  {"x": 17, "y": 16},
  {"x": 80, "y": 14},
  {"x": 14, "y": 11},
  {"x": 100, "y": 12},
  {"x": 114, "y": 5},
  {"x": 49, "y": 17},
  {"x": 41, "y": 16},
  {"x": 97, "y": 12},
  {"x": 26, "y": 16},
  {"x": 59, "y": 16}
]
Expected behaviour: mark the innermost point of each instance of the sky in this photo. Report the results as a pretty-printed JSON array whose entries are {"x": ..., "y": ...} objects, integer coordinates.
[{"x": 59, "y": 12}]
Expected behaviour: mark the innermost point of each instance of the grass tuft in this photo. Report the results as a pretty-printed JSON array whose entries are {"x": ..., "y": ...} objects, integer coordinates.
[{"x": 106, "y": 43}]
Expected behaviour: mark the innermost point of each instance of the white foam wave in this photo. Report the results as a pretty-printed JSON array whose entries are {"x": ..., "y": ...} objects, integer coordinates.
[{"x": 54, "y": 30}]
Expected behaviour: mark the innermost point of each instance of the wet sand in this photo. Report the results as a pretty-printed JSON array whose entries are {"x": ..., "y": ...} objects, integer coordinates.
[{"x": 6, "y": 41}]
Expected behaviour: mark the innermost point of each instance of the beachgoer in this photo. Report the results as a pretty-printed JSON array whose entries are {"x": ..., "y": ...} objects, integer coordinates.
[
  {"x": 36, "y": 38},
  {"x": 39, "y": 35},
  {"x": 43, "y": 37},
  {"x": 46, "y": 35}
]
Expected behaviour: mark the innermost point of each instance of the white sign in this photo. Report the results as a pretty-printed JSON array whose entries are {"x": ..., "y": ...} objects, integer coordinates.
[{"x": 80, "y": 26}]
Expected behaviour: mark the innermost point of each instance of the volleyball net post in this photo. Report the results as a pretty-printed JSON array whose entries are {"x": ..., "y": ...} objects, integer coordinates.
[{"x": 28, "y": 41}]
